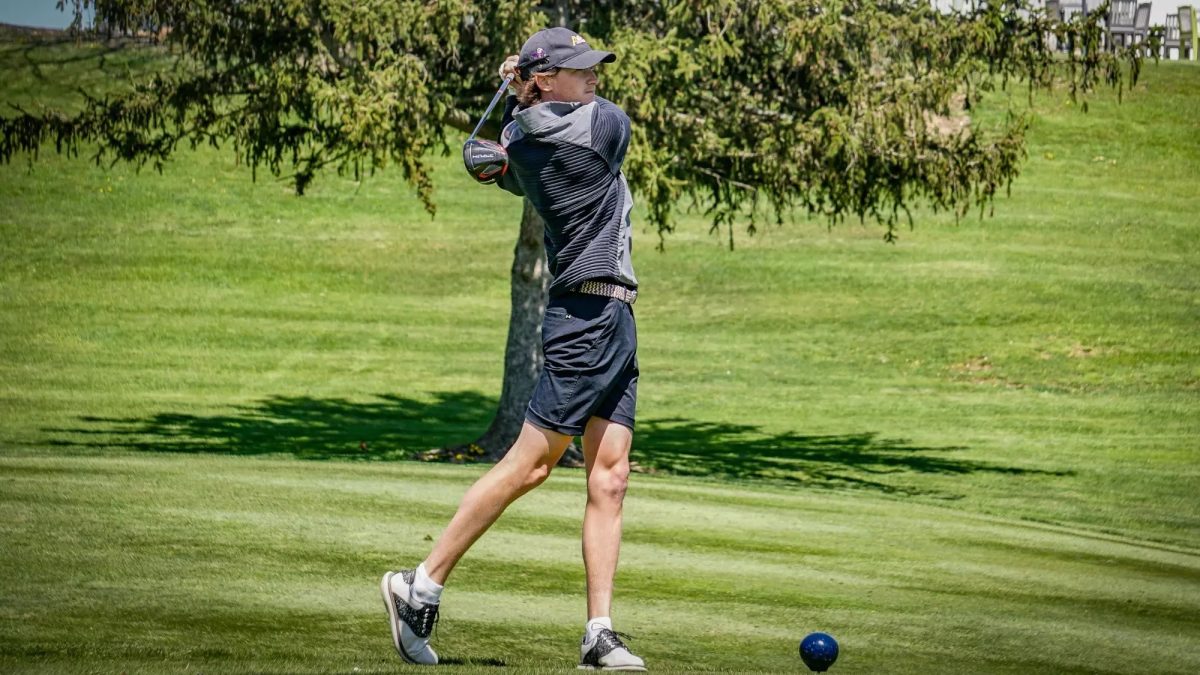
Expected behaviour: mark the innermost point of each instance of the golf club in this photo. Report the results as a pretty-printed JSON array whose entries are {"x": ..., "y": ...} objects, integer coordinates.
[
  {"x": 486, "y": 160},
  {"x": 499, "y": 93}
]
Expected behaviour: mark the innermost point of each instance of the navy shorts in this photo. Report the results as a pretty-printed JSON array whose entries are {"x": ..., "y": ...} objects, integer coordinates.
[{"x": 590, "y": 345}]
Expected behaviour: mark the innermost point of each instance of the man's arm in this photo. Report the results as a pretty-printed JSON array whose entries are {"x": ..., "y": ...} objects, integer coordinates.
[{"x": 508, "y": 181}]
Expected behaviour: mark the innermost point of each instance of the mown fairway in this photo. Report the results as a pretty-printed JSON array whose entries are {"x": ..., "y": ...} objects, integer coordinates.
[
  {"x": 214, "y": 563},
  {"x": 973, "y": 451}
]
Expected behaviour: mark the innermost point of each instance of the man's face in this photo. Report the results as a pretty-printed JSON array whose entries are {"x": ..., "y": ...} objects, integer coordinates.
[{"x": 570, "y": 85}]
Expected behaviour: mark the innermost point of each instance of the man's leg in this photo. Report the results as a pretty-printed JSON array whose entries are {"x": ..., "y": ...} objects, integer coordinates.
[
  {"x": 606, "y": 458},
  {"x": 606, "y": 455},
  {"x": 526, "y": 465},
  {"x": 412, "y": 596}
]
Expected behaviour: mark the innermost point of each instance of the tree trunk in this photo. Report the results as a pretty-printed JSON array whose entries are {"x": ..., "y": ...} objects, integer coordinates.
[{"x": 523, "y": 352}]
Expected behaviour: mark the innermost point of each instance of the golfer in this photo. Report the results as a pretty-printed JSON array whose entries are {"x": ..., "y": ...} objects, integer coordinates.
[{"x": 565, "y": 148}]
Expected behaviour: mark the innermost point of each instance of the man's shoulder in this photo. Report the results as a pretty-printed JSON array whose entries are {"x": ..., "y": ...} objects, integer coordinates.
[
  {"x": 609, "y": 120},
  {"x": 606, "y": 108}
]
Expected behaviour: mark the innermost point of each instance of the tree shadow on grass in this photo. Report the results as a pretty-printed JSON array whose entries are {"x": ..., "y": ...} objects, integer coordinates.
[
  {"x": 384, "y": 428},
  {"x": 746, "y": 452},
  {"x": 390, "y": 427}
]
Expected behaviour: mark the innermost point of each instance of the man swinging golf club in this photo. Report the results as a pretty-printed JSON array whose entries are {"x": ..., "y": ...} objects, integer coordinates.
[{"x": 562, "y": 147}]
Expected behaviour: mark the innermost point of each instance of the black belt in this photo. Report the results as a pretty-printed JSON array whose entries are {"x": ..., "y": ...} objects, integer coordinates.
[{"x": 607, "y": 290}]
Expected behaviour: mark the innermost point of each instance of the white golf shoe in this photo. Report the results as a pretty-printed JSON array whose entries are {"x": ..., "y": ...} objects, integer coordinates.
[
  {"x": 605, "y": 651},
  {"x": 411, "y": 621}
]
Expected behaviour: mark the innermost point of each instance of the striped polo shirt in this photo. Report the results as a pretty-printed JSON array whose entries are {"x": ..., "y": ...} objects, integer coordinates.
[{"x": 566, "y": 158}]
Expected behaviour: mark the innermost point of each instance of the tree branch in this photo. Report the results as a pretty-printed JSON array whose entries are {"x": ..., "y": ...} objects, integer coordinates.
[{"x": 462, "y": 121}]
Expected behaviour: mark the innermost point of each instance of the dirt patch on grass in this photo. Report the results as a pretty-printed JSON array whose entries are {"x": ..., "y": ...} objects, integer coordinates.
[
  {"x": 979, "y": 370},
  {"x": 1079, "y": 351},
  {"x": 975, "y": 364}
]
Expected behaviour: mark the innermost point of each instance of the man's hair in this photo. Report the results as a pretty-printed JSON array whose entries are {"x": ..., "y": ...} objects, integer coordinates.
[{"x": 529, "y": 94}]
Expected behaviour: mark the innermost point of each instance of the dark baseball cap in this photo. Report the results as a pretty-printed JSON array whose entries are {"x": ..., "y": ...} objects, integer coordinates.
[{"x": 559, "y": 48}]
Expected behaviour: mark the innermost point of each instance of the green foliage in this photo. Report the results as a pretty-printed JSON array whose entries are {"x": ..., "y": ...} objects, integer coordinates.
[
  {"x": 742, "y": 107},
  {"x": 294, "y": 86},
  {"x": 833, "y": 106}
]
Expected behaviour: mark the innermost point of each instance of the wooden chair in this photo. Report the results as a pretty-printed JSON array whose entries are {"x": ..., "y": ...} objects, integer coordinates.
[
  {"x": 1054, "y": 14},
  {"x": 1070, "y": 8},
  {"x": 1141, "y": 23},
  {"x": 1067, "y": 11},
  {"x": 1121, "y": 14},
  {"x": 1170, "y": 36}
]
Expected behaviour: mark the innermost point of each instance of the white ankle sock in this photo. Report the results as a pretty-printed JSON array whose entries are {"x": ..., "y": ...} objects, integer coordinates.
[
  {"x": 593, "y": 626},
  {"x": 425, "y": 590}
]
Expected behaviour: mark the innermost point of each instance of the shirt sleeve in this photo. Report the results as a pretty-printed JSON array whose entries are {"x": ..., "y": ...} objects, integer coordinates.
[
  {"x": 508, "y": 180},
  {"x": 610, "y": 133},
  {"x": 510, "y": 107}
]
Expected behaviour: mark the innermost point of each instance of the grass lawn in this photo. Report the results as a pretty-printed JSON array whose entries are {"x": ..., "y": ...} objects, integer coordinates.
[
  {"x": 973, "y": 451},
  {"x": 201, "y": 562}
]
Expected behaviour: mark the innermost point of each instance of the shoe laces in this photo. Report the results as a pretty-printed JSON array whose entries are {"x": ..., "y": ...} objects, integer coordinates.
[
  {"x": 611, "y": 639},
  {"x": 429, "y": 619}
]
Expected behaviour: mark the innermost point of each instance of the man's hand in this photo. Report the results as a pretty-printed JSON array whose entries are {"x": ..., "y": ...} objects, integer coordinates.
[{"x": 509, "y": 67}]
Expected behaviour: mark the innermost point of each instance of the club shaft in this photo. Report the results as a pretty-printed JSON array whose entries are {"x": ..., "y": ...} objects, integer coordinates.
[{"x": 499, "y": 93}]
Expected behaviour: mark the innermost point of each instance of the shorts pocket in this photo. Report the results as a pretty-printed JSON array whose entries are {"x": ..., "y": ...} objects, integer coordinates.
[{"x": 567, "y": 339}]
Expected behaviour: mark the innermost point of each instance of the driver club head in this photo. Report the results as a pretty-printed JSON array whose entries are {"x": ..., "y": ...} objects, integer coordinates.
[{"x": 485, "y": 160}]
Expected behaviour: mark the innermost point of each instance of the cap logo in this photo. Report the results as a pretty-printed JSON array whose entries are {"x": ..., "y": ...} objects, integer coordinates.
[
  {"x": 539, "y": 53},
  {"x": 575, "y": 40}
]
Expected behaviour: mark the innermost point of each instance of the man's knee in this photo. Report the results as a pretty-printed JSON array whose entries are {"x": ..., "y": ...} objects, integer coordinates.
[
  {"x": 522, "y": 472},
  {"x": 609, "y": 483},
  {"x": 537, "y": 475},
  {"x": 534, "y": 454}
]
